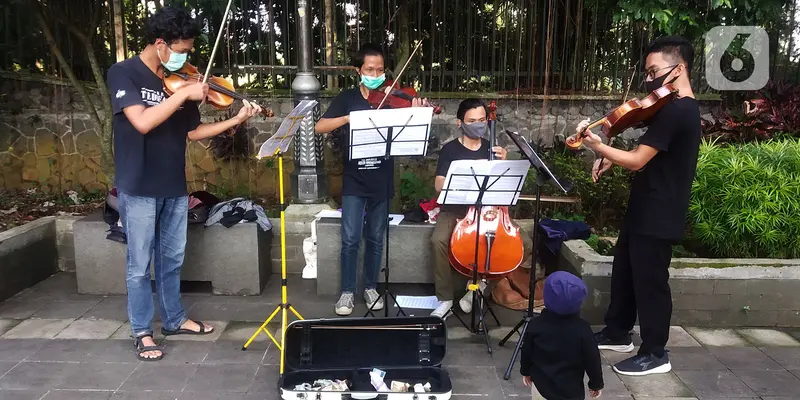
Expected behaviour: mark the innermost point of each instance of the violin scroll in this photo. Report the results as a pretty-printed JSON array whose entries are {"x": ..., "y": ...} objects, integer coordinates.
[{"x": 575, "y": 141}]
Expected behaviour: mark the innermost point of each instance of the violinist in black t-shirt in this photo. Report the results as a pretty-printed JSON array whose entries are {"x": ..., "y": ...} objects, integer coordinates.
[
  {"x": 471, "y": 145},
  {"x": 150, "y": 134},
  {"x": 665, "y": 162},
  {"x": 364, "y": 186}
]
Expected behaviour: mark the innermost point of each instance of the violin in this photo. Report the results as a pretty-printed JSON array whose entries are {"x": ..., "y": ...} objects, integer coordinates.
[
  {"x": 391, "y": 97},
  {"x": 632, "y": 113},
  {"x": 220, "y": 92},
  {"x": 396, "y": 98},
  {"x": 500, "y": 249}
]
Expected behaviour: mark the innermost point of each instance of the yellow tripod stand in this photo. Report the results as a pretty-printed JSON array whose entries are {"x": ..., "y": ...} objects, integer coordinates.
[{"x": 284, "y": 307}]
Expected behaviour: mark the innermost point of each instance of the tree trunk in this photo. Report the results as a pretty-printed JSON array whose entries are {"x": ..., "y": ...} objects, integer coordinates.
[
  {"x": 330, "y": 41},
  {"x": 105, "y": 131},
  {"x": 403, "y": 37},
  {"x": 48, "y": 35},
  {"x": 104, "y": 128},
  {"x": 119, "y": 30}
]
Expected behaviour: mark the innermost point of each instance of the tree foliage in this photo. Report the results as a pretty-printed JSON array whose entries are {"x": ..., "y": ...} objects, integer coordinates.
[{"x": 694, "y": 18}]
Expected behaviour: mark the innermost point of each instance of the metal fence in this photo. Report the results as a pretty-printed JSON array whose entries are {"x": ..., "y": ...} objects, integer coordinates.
[
  {"x": 505, "y": 46},
  {"x": 514, "y": 46}
]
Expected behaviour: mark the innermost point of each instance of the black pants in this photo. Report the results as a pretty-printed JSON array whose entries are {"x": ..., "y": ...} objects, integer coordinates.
[{"x": 640, "y": 282}]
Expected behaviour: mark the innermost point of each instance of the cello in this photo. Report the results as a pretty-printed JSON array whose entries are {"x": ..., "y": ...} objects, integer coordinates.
[{"x": 487, "y": 240}]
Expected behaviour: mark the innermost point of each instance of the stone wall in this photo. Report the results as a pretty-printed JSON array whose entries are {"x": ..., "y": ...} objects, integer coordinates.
[{"x": 47, "y": 138}]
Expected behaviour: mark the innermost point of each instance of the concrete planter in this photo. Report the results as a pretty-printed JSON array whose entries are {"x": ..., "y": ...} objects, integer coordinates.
[
  {"x": 230, "y": 257},
  {"x": 236, "y": 260},
  {"x": 28, "y": 255},
  {"x": 706, "y": 292}
]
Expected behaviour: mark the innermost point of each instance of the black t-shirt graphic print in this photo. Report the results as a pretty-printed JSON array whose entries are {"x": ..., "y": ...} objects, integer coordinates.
[{"x": 153, "y": 164}]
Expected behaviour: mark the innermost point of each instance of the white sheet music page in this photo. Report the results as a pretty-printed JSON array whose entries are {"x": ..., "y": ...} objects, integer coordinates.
[
  {"x": 410, "y": 128},
  {"x": 505, "y": 182},
  {"x": 285, "y": 133}
]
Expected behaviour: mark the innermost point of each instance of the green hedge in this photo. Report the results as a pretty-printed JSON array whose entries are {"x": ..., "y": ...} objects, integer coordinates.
[{"x": 746, "y": 199}]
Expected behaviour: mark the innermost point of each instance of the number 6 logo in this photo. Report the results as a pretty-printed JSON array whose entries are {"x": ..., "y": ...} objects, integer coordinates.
[{"x": 754, "y": 57}]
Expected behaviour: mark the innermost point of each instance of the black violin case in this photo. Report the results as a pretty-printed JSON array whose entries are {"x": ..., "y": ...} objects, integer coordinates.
[{"x": 407, "y": 349}]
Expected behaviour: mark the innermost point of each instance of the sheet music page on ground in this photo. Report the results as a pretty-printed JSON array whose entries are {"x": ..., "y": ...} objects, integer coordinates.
[
  {"x": 505, "y": 182},
  {"x": 411, "y": 128},
  {"x": 285, "y": 133}
]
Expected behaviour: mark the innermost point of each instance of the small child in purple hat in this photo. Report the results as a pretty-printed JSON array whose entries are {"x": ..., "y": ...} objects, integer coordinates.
[{"x": 559, "y": 347}]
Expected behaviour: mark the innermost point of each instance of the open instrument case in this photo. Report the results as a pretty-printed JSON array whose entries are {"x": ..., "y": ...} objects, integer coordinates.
[{"x": 408, "y": 349}]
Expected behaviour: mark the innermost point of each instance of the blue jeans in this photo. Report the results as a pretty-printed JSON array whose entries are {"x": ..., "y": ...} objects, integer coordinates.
[
  {"x": 154, "y": 225},
  {"x": 374, "y": 227}
]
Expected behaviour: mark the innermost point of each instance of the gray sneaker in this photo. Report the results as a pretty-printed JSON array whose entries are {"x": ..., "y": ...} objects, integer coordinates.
[
  {"x": 443, "y": 311},
  {"x": 371, "y": 296},
  {"x": 345, "y": 304}
]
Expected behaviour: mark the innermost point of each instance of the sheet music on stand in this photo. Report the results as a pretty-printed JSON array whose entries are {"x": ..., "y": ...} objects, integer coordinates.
[
  {"x": 370, "y": 132},
  {"x": 285, "y": 133},
  {"x": 503, "y": 187},
  {"x": 537, "y": 162}
]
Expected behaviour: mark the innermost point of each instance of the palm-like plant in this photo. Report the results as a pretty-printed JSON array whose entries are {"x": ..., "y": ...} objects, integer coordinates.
[{"x": 746, "y": 199}]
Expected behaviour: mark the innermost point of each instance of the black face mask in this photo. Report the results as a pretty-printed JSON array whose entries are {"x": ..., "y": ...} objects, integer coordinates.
[{"x": 658, "y": 82}]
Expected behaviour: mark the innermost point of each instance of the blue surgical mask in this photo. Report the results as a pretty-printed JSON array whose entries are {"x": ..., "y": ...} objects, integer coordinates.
[
  {"x": 372, "y": 82},
  {"x": 175, "y": 62}
]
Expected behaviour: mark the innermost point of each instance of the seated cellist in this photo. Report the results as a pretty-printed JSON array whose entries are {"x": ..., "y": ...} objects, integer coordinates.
[{"x": 471, "y": 145}]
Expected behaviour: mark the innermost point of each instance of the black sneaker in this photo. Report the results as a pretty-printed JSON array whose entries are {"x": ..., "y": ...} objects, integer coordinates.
[
  {"x": 621, "y": 346},
  {"x": 644, "y": 364}
]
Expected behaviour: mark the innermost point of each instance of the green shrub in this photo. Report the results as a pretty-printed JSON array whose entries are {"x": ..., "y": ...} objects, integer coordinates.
[
  {"x": 601, "y": 246},
  {"x": 602, "y": 204},
  {"x": 412, "y": 189},
  {"x": 746, "y": 199}
]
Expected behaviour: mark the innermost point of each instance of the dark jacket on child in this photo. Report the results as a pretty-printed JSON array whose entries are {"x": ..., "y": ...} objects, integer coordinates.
[{"x": 556, "y": 352}]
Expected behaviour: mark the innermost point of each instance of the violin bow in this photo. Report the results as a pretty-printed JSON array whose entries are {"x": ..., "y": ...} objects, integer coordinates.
[
  {"x": 630, "y": 82},
  {"x": 216, "y": 44},
  {"x": 624, "y": 97},
  {"x": 401, "y": 72}
]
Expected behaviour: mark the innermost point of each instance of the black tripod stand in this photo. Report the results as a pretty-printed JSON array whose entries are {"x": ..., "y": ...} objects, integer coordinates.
[
  {"x": 543, "y": 175},
  {"x": 386, "y": 292},
  {"x": 478, "y": 298},
  {"x": 414, "y": 144}
]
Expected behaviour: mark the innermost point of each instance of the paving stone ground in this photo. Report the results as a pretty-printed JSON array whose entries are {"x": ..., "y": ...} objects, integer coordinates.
[{"x": 56, "y": 344}]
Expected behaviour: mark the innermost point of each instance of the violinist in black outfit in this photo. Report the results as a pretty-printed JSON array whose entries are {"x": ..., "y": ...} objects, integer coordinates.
[
  {"x": 665, "y": 162},
  {"x": 365, "y": 193}
]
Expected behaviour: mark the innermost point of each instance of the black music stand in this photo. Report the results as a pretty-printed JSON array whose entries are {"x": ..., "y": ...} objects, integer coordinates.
[
  {"x": 543, "y": 175},
  {"x": 371, "y": 140},
  {"x": 482, "y": 183}
]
